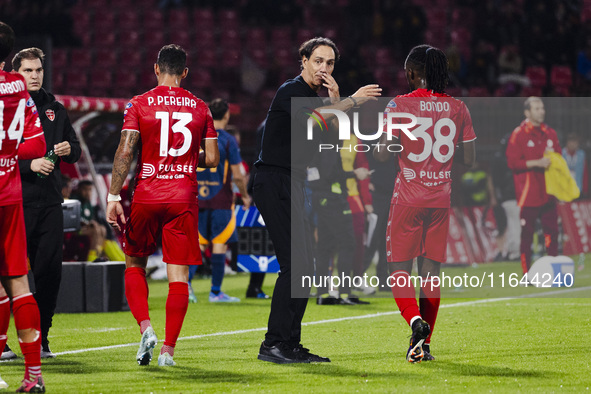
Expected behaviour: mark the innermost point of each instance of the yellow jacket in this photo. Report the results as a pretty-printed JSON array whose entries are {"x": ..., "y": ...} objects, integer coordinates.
[{"x": 559, "y": 181}]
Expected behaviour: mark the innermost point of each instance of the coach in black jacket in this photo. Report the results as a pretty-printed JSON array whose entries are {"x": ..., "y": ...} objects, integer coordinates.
[{"x": 42, "y": 197}]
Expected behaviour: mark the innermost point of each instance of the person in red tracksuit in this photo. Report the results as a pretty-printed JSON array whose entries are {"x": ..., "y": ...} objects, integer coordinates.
[{"x": 525, "y": 157}]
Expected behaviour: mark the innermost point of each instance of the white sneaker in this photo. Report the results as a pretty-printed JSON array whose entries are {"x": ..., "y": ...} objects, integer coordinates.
[
  {"x": 222, "y": 297},
  {"x": 47, "y": 353},
  {"x": 367, "y": 290},
  {"x": 3, "y": 384},
  {"x": 8, "y": 354},
  {"x": 146, "y": 350},
  {"x": 165, "y": 360}
]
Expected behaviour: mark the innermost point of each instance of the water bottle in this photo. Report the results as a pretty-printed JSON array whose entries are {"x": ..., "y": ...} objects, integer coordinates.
[{"x": 52, "y": 157}]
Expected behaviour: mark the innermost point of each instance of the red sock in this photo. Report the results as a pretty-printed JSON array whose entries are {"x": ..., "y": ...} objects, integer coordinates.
[
  {"x": 176, "y": 309},
  {"x": 26, "y": 316},
  {"x": 136, "y": 291},
  {"x": 404, "y": 293},
  {"x": 429, "y": 303},
  {"x": 4, "y": 320}
]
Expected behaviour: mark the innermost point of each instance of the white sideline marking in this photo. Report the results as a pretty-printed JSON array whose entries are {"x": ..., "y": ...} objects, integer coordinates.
[{"x": 340, "y": 319}]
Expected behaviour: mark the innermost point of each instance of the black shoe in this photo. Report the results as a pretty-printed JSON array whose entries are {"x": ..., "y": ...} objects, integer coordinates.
[
  {"x": 46, "y": 351},
  {"x": 256, "y": 293},
  {"x": 330, "y": 300},
  {"x": 420, "y": 332},
  {"x": 427, "y": 353},
  {"x": 356, "y": 300},
  {"x": 313, "y": 358},
  {"x": 346, "y": 301},
  {"x": 281, "y": 353}
]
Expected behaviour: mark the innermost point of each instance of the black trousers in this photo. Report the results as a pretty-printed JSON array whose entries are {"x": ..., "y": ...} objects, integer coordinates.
[
  {"x": 281, "y": 203},
  {"x": 335, "y": 238},
  {"x": 45, "y": 238},
  {"x": 381, "y": 204}
]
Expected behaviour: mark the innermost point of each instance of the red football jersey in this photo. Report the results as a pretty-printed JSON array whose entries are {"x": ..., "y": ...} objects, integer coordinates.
[
  {"x": 172, "y": 123},
  {"x": 424, "y": 179},
  {"x": 18, "y": 120}
]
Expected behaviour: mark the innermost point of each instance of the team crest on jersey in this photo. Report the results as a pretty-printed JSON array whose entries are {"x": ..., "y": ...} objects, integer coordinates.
[
  {"x": 391, "y": 104},
  {"x": 30, "y": 102},
  {"x": 530, "y": 144},
  {"x": 50, "y": 114},
  {"x": 129, "y": 105}
]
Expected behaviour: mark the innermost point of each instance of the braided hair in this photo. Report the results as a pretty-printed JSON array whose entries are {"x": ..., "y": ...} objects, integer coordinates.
[{"x": 432, "y": 63}]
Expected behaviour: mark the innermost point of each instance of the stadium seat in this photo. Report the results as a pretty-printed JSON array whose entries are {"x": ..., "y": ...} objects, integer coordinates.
[
  {"x": 181, "y": 37},
  {"x": 106, "y": 40},
  {"x": 284, "y": 57},
  {"x": 461, "y": 36},
  {"x": 256, "y": 35},
  {"x": 103, "y": 19},
  {"x": 106, "y": 58},
  {"x": 101, "y": 81},
  {"x": 81, "y": 19},
  {"x": 178, "y": 19},
  {"x": 203, "y": 19},
  {"x": 478, "y": 91},
  {"x": 230, "y": 38},
  {"x": 128, "y": 19},
  {"x": 230, "y": 59},
  {"x": 228, "y": 19},
  {"x": 401, "y": 82},
  {"x": 204, "y": 58},
  {"x": 383, "y": 78},
  {"x": 76, "y": 82},
  {"x": 259, "y": 56},
  {"x": 96, "y": 4},
  {"x": 129, "y": 40},
  {"x": 200, "y": 80},
  {"x": 204, "y": 39},
  {"x": 57, "y": 85},
  {"x": 147, "y": 79},
  {"x": 561, "y": 76},
  {"x": 123, "y": 5},
  {"x": 536, "y": 75},
  {"x": 304, "y": 34},
  {"x": 59, "y": 58},
  {"x": 529, "y": 91},
  {"x": 383, "y": 57},
  {"x": 125, "y": 84},
  {"x": 80, "y": 58},
  {"x": 153, "y": 41},
  {"x": 153, "y": 20},
  {"x": 132, "y": 60}
]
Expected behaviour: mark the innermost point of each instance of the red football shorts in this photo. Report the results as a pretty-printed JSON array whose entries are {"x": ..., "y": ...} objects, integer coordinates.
[
  {"x": 414, "y": 231},
  {"x": 177, "y": 224},
  {"x": 13, "y": 238}
]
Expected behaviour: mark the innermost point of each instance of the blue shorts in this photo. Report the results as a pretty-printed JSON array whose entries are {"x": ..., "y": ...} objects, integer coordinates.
[{"x": 217, "y": 226}]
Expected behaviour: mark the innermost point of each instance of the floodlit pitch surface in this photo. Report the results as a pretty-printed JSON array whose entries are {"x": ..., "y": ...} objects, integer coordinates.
[{"x": 488, "y": 344}]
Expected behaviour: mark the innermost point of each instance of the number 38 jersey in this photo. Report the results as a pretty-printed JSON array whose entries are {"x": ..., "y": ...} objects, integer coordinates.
[
  {"x": 172, "y": 123},
  {"x": 443, "y": 122}
]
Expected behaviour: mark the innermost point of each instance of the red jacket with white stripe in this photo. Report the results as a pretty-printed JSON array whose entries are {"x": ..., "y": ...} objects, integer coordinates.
[{"x": 529, "y": 142}]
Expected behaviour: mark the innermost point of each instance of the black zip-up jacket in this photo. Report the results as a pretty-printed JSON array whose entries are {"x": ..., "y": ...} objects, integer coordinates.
[{"x": 43, "y": 192}]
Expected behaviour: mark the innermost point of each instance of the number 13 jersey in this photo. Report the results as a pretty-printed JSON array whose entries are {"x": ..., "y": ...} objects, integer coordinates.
[
  {"x": 172, "y": 123},
  {"x": 443, "y": 122}
]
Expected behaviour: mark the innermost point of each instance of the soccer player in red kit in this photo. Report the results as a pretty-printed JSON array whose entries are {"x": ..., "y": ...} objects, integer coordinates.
[
  {"x": 171, "y": 126},
  {"x": 18, "y": 120},
  {"x": 418, "y": 223}
]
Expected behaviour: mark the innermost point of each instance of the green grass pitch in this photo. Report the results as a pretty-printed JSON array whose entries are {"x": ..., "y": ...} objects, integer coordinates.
[{"x": 523, "y": 344}]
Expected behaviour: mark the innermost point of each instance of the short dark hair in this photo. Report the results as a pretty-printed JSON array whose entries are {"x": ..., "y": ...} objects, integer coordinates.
[
  {"x": 85, "y": 182},
  {"x": 529, "y": 100},
  {"x": 218, "y": 108},
  {"x": 6, "y": 40},
  {"x": 309, "y": 46},
  {"x": 28, "y": 54},
  {"x": 172, "y": 59},
  {"x": 431, "y": 63}
]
